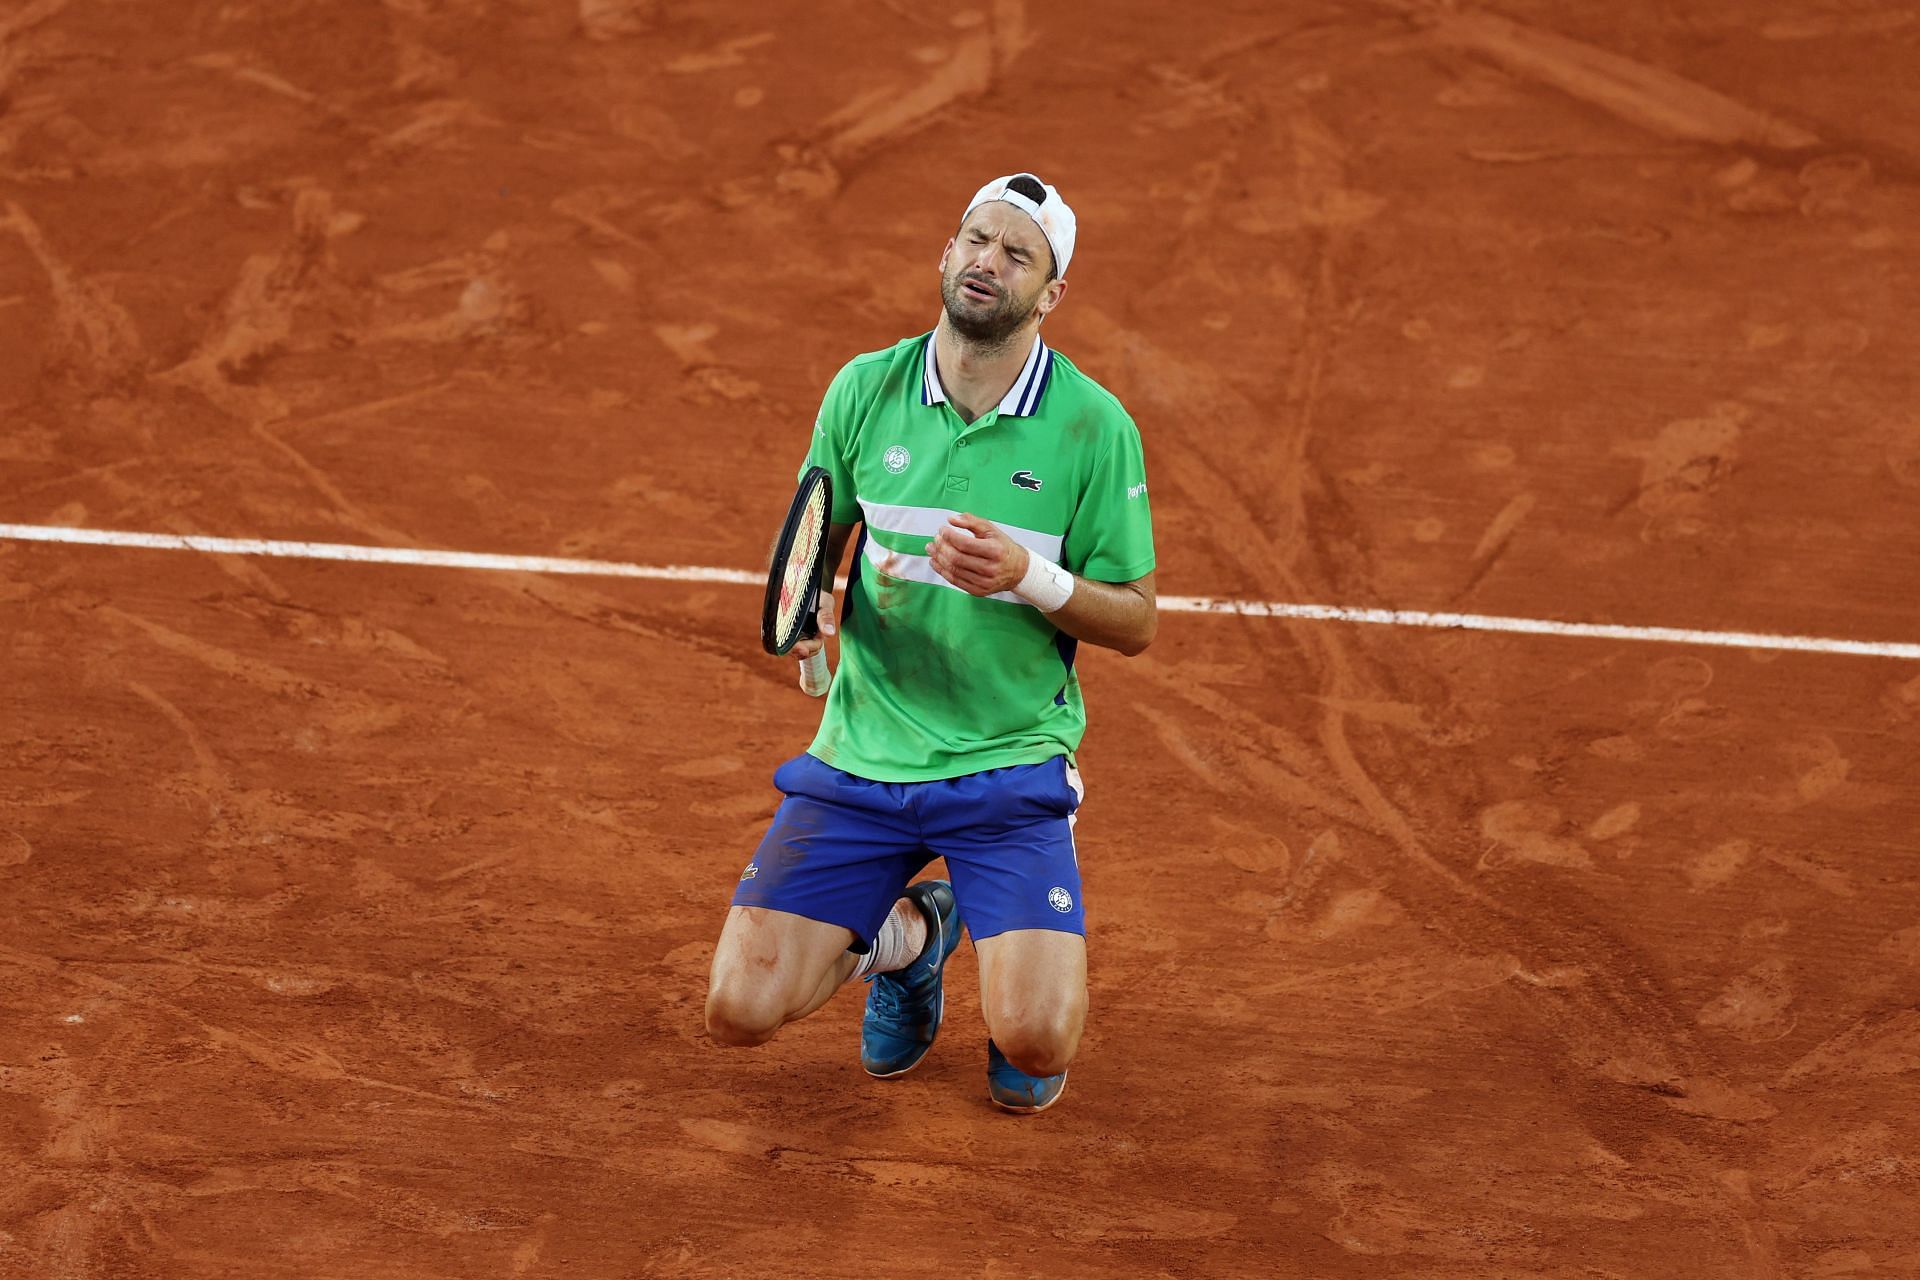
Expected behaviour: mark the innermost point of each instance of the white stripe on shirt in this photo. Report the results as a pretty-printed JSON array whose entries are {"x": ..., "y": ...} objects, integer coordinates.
[{"x": 925, "y": 522}]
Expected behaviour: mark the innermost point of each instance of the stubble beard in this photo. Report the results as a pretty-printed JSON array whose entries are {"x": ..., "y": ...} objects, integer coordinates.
[{"x": 990, "y": 329}]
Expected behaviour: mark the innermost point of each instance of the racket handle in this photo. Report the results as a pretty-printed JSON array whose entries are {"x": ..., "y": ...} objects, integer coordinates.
[{"x": 815, "y": 675}]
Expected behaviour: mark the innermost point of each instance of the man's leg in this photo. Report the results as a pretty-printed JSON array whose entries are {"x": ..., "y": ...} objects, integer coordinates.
[
  {"x": 770, "y": 968},
  {"x": 1007, "y": 836},
  {"x": 1033, "y": 990},
  {"x": 773, "y": 967},
  {"x": 828, "y": 872}
]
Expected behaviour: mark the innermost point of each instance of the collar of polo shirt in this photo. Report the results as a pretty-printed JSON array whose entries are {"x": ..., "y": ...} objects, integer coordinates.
[{"x": 1022, "y": 398}]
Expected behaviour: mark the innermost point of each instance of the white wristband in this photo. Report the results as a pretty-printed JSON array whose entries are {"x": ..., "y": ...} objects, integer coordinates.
[{"x": 1045, "y": 586}]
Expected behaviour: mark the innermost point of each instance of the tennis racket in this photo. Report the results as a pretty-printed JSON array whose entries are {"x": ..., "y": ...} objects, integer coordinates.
[{"x": 796, "y": 578}]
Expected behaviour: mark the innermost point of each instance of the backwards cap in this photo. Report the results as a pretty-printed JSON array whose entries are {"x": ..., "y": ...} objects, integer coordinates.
[{"x": 1038, "y": 201}]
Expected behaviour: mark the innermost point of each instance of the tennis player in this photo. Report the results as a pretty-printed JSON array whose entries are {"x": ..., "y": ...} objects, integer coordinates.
[{"x": 1002, "y": 502}]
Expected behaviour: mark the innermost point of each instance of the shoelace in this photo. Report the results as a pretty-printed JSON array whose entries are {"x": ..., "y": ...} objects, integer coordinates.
[{"x": 890, "y": 998}]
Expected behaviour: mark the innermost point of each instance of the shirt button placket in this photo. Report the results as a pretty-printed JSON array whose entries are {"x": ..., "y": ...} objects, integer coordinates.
[{"x": 956, "y": 480}]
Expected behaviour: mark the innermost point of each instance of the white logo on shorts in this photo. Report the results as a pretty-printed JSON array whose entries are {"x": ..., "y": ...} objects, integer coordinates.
[
  {"x": 896, "y": 459},
  {"x": 1059, "y": 899}
]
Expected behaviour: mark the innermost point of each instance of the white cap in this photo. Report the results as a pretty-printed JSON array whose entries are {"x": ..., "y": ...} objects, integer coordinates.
[{"x": 1050, "y": 213}]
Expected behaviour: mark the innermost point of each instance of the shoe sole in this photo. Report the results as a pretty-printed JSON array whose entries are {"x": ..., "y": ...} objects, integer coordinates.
[
  {"x": 1029, "y": 1111},
  {"x": 939, "y": 1016}
]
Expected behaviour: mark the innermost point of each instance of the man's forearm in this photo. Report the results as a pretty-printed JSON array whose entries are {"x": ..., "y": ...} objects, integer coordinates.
[
  {"x": 978, "y": 557},
  {"x": 837, "y": 535},
  {"x": 1113, "y": 615}
]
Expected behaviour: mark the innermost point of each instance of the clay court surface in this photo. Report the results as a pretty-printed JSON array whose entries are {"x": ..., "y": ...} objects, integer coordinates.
[{"x": 356, "y": 919}]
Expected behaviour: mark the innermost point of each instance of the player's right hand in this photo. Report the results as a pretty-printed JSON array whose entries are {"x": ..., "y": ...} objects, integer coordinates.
[{"x": 829, "y": 618}]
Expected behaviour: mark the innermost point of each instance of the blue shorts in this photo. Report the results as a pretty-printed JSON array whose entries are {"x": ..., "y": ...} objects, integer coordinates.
[{"x": 842, "y": 848}]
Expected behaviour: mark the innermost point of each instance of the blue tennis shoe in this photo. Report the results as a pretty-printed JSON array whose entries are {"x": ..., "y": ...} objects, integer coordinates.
[
  {"x": 904, "y": 1008},
  {"x": 1014, "y": 1090}
]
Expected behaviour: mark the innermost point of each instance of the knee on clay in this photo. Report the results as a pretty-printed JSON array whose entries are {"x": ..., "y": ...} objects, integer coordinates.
[
  {"x": 1039, "y": 1047},
  {"x": 742, "y": 1018}
]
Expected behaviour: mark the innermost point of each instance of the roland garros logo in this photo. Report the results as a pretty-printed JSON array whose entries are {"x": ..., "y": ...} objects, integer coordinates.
[{"x": 896, "y": 459}]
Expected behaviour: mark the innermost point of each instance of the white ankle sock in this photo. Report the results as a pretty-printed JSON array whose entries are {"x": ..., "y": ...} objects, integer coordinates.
[{"x": 902, "y": 937}]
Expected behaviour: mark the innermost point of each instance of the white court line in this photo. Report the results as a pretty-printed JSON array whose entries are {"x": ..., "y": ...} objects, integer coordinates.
[
  {"x": 741, "y": 577},
  {"x": 375, "y": 555},
  {"x": 1540, "y": 627}
]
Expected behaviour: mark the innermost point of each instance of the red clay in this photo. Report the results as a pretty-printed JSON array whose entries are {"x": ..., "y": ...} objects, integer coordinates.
[{"x": 356, "y": 920}]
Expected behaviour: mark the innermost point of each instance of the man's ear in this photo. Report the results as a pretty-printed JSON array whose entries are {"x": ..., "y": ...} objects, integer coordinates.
[
  {"x": 1051, "y": 295},
  {"x": 945, "y": 254}
]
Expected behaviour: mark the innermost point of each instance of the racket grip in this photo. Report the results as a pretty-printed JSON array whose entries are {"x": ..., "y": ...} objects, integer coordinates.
[{"x": 815, "y": 675}]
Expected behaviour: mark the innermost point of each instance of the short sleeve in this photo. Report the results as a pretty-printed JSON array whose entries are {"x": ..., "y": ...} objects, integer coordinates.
[
  {"x": 1111, "y": 536},
  {"x": 832, "y": 445}
]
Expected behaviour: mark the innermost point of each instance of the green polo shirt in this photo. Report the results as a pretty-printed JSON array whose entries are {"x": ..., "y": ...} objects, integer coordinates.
[{"x": 934, "y": 682}]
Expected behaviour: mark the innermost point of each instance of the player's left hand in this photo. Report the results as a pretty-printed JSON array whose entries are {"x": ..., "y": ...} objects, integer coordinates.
[{"x": 975, "y": 556}]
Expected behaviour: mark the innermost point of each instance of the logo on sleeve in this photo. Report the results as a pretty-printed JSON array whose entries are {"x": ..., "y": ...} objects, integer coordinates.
[
  {"x": 896, "y": 459},
  {"x": 1025, "y": 480},
  {"x": 1135, "y": 491}
]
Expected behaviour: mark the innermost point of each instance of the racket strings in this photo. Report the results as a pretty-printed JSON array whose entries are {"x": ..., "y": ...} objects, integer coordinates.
[{"x": 803, "y": 565}]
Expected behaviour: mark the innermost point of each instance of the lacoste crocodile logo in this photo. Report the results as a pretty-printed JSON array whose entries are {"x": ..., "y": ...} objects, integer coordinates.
[{"x": 1025, "y": 480}]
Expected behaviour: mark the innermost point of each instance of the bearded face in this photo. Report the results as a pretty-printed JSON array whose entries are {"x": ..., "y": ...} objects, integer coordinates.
[
  {"x": 981, "y": 309},
  {"x": 995, "y": 275}
]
